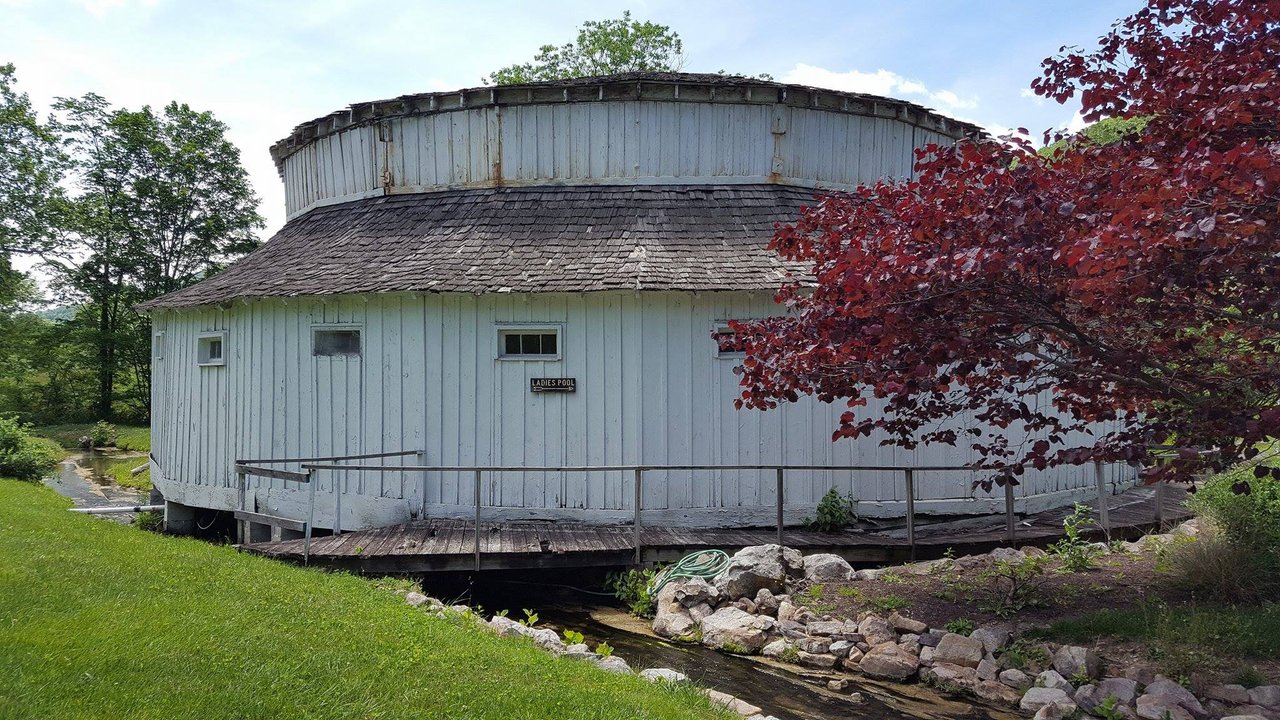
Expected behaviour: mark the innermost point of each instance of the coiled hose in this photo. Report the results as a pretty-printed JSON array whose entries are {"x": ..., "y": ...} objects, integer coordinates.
[{"x": 704, "y": 564}]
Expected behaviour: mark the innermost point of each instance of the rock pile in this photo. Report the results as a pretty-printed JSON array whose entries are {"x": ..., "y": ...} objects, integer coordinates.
[{"x": 747, "y": 609}]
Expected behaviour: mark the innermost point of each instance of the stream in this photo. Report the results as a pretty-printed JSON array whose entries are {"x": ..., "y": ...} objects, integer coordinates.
[
  {"x": 83, "y": 478},
  {"x": 786, "y": 691}
]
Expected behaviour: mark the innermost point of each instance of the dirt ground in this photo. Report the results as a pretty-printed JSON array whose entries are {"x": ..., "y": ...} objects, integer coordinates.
[{"x": 940, "y": 592}]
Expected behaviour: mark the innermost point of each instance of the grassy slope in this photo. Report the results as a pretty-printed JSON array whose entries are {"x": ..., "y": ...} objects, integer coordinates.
[
  {"x": 104, "y": 620},
  {"x": 129, "y": 437}
]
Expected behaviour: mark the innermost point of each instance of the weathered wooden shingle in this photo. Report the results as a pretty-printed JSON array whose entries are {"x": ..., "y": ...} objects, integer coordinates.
[{"x": 546, "y": 239}]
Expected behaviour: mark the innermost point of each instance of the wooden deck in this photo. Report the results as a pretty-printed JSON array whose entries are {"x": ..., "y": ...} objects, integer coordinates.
[{"x": 444, "y": 545}]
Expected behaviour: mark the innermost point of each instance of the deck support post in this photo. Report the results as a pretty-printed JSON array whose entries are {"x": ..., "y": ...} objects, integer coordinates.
[
  {"x": 477, "y": 548},
  {"x": 311, "y": 516},
  {"x": 639, "y": 472},
  {"x": 242, "y": 526},
  {"x": 1159, "y": 490},
  {"x": 1104, "y": 517},
  {"x": 781, "y": 500},
  {"x": 911, "y": 512},
  {"x": 1009, "y": 520}
]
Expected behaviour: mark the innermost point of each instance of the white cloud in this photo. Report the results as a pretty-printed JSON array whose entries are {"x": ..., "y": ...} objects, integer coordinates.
[
  {"x": 1076, "y": 123},
  {"x": 880, "y": 82}
]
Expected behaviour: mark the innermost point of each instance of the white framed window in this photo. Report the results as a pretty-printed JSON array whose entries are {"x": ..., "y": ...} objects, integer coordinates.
[
  {"x": 211, "y": 348},
  {"x": 530, "y": 342},
  {"x": 726, "y": 341},
  {"x": 157, "y": 345},
  {"x": 341, "y": 341}
]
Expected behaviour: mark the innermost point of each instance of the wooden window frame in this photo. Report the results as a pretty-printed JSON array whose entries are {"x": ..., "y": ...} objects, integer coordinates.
[
  {"x": 337, "y": 327},
  {"x": 718, "y": 327},
  {"x": 502, "y": 330},
  {"x": 204, "y": 341}
]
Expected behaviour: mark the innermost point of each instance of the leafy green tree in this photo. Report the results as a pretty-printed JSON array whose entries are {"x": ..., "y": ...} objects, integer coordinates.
[
  {"x": 604, "y": 47},
  {"x": 162, "y": 201}
]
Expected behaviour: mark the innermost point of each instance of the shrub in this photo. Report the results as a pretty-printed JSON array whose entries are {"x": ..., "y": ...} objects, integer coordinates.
[
  {"x": 152, "y": 521},
  {"x": 632, "y": 588},
  {"x": 103, "y": 434},
  {"x": 1244, "y": 508},
  {"x": 1014, "y": 586},
  {"x": 1211, "y": 567},
  {"x": 1077, "y": 553},
  {"x": 22, "y": 456},
  {"x": 961, "y": 626},
  {"x": 835, "y": 512}
]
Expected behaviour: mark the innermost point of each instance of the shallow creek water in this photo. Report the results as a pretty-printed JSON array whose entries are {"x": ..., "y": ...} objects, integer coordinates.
[
  {"x": 785, "y": 691},
  {"x": 82, "y": 477}
]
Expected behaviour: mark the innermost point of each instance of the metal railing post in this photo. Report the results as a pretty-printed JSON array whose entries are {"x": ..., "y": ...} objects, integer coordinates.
[
  {"x": 911, "y": 512},
  {"x": 422, "y": 510},
  {"x": 242, "y": 534},
  {"x": 636, "y": 530},
  {"x": 477, "y": 520},
  {"x": 1009, "y": 521},
  {"x": 337, "y": 502},
  {"x": 1159, "y": 492},
  {"x": 1104, "y": 516},
  {"x": 780, "y": 503},
  {"x": 311, "y": 516}
]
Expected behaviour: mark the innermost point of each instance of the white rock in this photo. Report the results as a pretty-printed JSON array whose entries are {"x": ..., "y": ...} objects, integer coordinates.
[
  {"x": 888, "y": 661},
  {"x": 1038, "y": 697},
  {"x": 1265, "y": 695},
  {"x": 1054, "y": 711},
  {"x": 1166, "y": 688},
  {"x": 1074, "y": 661},
  {"x": 741, "y": 707},
  {"x": 1054, "y": 679},
  {"x": 988, "y": 669},
  {"x": 1161, "y": 707},
  {"x": 959, "y": 650},
  {"x": 756, "y": 567},
  {"x": 1010, "y": 555},
  {"x": 613, "y": 663},
  {"x": 825, "y": 567},
  {"x": 664, "y": 675},
  {"x": 875, "y": 630},
  {"x": 907, "y": 625},
  {"x": 775, "y": 648},
  {"x": 731, "y": 626},
  {"x": 1015, "y": 679},
  {"x": 992, "y": 638}
]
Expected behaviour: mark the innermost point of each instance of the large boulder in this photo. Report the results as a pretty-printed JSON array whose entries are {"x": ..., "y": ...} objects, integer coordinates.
[
  {"x": 875, "y": 630},
  {"x": 1039, "y": 697},
  {"x": 889, "y": 662},
  {"x": 1073, "y": 661},
  {"x": 1171, "y": 691},
  {"x": 694, "y": 591},
  {"x": 664, "y": 675},
  {"x": 759, "y": 567},
  {"x": 1267, "y": 696},
  {"x": 959, "y": 650},
  {"x": 731, "y": 628},
  {"x": 825, "y": 567},
  {"x": 671, "y": 619}
]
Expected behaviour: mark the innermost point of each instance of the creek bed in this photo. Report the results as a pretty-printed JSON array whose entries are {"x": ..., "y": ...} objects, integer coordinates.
[
  {"x": 786, "y": 691},
  {"x": 83, "y": 478}
]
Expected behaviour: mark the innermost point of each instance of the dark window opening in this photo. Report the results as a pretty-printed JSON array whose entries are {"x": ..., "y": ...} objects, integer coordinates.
[
  {"x": 336, "y": 343},
  {"x": 530, "y": 344}
]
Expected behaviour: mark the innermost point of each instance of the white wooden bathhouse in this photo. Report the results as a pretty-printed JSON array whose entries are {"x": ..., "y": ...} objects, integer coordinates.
[{"x": 447, "y": 253}]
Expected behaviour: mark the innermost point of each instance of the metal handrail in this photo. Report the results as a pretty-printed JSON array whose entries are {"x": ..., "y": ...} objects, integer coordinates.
[{"x": 639, "y": 470}]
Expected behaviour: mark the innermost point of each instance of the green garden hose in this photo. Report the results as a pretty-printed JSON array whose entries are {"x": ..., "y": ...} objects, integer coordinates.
[{"x": 704, "y": 564}]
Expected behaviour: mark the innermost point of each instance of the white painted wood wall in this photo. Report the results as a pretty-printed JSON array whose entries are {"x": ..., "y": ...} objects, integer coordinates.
[
  {"x": 650, "y": 142},
  {"x": 650, "y": 390}
]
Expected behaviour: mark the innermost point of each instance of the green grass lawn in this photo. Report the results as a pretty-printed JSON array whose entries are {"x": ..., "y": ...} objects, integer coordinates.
[
  {"x": 105, "y": 620},
  {"x": 128, "y": 437}
]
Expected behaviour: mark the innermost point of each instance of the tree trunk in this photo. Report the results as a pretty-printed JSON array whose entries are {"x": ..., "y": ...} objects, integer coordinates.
[{"x": 106, "y": 362}]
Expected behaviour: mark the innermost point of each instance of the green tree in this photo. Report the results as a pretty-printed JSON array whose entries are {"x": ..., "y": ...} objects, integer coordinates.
[
  {"x": 162, "y": 201},
  {"x": 604, "y": 47}
]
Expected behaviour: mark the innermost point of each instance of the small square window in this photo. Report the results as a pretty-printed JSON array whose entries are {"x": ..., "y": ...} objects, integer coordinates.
[
  {"x": 210, "y": 348},
  {"x": 335, "y": 342},
  {"x": 529, "y": 344},
  {"x": 728, "y": 344}
]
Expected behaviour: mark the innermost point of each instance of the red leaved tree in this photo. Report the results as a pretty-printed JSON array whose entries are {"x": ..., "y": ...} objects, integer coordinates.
[{"x": 1136, "y": 283}]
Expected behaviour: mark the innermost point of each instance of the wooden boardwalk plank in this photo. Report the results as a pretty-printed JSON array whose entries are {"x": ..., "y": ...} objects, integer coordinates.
[{"x": 451, "y": 541}]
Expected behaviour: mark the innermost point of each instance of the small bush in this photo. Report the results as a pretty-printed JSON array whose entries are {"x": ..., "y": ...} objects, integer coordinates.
[
  {"x": 103, "y": 434},
  {"x": 25, "y": 457},
  {"x": 1077, "y": 553},
  {"x": 1248, "y": 676},
  {"x": 835, "y": 512},
  {"x": 632, "y": 588},
  {"x": 961, "y": 626},
  {"x": 1014, "y": 586}
]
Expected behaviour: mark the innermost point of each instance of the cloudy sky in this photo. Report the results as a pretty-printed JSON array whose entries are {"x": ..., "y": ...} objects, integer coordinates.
[{"x": 262, "y": 67}]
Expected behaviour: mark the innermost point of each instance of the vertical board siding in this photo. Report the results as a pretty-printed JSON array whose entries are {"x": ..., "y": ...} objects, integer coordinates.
[
  {"x": 601, "y": 142},
  {"x": 651, "y": 390}
]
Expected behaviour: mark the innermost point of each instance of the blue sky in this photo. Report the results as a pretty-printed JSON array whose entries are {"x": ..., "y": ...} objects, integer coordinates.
[{"x": 262, "y": 67}]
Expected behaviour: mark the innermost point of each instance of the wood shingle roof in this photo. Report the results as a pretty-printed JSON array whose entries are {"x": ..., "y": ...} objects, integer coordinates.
[{"x": 528, "y": 239}]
